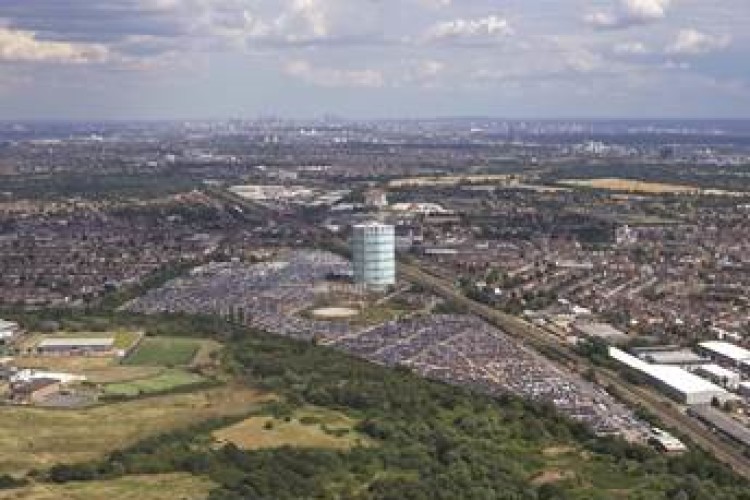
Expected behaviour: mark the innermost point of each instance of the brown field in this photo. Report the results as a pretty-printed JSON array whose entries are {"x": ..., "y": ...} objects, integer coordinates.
[
  {"x": 448, "y": 180},
  {"x": 120, "y": 373},
  {"x": 74, "y": 364},
  {"x": 157, "y": 487},
  {"x": 251, "y": 434},
  {"x": 614, "y": 184},
  {"x": 38, "y": 438}
]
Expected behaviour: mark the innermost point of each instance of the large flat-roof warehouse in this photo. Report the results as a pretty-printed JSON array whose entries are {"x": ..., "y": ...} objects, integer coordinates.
[
  {"x": 725, "y": 351},
  {"x": 602, "y": 331},
  {"x": 680, "y": 384},
  {"x": 720, "y": 375},
  {"x": 60, "y": 346}
]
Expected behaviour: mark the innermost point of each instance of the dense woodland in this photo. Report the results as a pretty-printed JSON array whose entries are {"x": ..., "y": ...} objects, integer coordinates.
[{"x": 432, "y": 441}]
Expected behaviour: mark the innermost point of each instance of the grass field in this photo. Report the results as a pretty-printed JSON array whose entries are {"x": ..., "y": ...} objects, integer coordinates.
[
  {"x": 164, "y": 381},
  {"x": 75, "y": 364},
  {"x": 310, "y": 428},
  {"x": 156, "y": 487},
  {"x": 119, "y": 373},
  {"x": 38, "y": 438},
  {"x": 631, "y": 186},
  {"x": 164, "y": 351}
]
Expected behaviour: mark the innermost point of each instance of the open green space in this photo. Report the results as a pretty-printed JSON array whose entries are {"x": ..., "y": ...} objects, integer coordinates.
[
  {"x": 39, "y": 438},
  {"x": 164, "y": 351},
  {"x": 166, "y": 381},
  {"x": 408, "y": 438},
  {"x": 308, "y": 427}
]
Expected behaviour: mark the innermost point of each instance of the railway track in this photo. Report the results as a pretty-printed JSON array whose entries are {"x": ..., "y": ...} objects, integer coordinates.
[
  {"x": 665, "y": 410},
  {"x": 669, "y": 413}
]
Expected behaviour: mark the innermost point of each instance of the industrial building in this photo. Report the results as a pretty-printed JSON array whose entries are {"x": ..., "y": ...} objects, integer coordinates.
[
  {"x": 601, "y": 331},
  {"x": 726, "y": 353},
  {"x": 679, "y": 384},
  {"x": 666, "y": 442},
  {"x": 8, "y": 330},
  {"x": 75, "y": 346},
  {"x": 28, "y": 375},
  {"x": 670, "y": 355},
  {"x": 376, "y": 198},
  {"x": 720, "y": 375},
  {"x": 34, "y": 391},
  {"x": 374, "y": 255}
]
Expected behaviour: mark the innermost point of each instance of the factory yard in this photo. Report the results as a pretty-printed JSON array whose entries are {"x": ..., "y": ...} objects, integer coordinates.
[
  {"x": 268, "y": 295},
  {"x": 462, "y": 350}
]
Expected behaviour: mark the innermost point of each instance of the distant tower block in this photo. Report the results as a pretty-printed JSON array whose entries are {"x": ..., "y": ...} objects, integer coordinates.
[
  {"x": 376, "y": 198},
  {"x": 374, "y": 255}
]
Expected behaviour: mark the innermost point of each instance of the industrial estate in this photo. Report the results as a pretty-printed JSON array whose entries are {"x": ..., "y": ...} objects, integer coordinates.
[{"x": 376, "y": 310}]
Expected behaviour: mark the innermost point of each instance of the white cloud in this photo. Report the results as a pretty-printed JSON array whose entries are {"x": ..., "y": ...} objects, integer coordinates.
[
  {"x": 487, "y": 29},
  {"x": 629, "y": 13},
  {"x": 694, "y": 42},
  {"x": 631, "y": 49},
  {"x": 333, "y": 77},
  {"x": 430, "y": 68},
  {"x": 24, "y": 46},
  {"x": 435, "y": 4}
]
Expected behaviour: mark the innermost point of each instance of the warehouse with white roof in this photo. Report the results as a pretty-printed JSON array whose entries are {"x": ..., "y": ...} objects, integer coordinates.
[
  {"x": 720, "y": 375},
  {"x": 75, "y": 346},
  {"x": 8, "y": 330},
  {"x": 725, "y": 352},
  {"x": 683, "y": 386}
]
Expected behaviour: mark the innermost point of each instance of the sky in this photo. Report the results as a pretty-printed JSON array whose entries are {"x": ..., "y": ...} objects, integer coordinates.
[{"x": 215, "y": 59}]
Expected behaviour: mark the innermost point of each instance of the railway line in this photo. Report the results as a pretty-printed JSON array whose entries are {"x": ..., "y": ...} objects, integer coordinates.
[{"x": 668, "y": 412}]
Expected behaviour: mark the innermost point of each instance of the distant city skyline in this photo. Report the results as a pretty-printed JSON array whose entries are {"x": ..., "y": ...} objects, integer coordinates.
[{"x": 369, "y": 59}]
